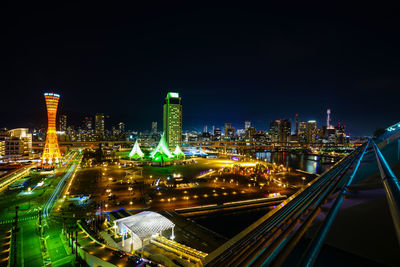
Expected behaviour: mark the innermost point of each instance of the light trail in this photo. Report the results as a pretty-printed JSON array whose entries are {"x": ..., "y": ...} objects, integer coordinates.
[
  {"x": 15, "y": 176},
  {"x": 57, "y": 191}
]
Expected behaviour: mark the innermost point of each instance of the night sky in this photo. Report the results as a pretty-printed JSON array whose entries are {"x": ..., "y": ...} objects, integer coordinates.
[{"x": 230, "y": 64}]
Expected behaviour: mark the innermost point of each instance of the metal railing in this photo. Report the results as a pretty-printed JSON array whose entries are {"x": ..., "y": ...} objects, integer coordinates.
[
  {"x": 392, "y": 188},
  {"x": 313, "y": 250}
]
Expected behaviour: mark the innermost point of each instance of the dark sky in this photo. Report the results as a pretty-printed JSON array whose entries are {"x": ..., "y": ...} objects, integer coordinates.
[{"x": 229, "y": 64}]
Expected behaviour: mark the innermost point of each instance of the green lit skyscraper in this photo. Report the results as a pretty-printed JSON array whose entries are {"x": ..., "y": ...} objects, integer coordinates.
[{"x": 173, "y": 120}]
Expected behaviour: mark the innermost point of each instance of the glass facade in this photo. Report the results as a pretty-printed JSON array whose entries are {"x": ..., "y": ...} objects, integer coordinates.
[{"x": 173, "y": 120}]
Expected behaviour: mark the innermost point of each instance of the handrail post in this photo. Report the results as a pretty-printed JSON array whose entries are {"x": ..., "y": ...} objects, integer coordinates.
[{"x": 392, "y": 188}]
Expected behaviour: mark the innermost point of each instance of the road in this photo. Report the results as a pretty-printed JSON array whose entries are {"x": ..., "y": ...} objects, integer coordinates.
[
  {"x": 14, "y": 176},
  {"x": 29, "y": 247}
]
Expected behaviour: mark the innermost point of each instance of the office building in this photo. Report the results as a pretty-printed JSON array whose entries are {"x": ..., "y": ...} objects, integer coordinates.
[
  {"x": 62, "y": 123},
  {"x": 311, "y": 132},
  {"x": 172, "y": 120},
  {"x": 274, "y": 129},
  {"x": 285, "y": 130},
  {"x": 99, "y": 126}
]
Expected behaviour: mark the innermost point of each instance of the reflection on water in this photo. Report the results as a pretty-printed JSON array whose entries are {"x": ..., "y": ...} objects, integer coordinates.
[{"x": 308, "y": 163}]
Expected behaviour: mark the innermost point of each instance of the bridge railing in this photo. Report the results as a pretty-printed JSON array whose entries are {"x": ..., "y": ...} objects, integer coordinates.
[{"x": 392, "y": 188}]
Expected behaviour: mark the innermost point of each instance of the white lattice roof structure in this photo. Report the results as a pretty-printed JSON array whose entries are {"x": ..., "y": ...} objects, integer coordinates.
[{"x": 145, "y": 224}]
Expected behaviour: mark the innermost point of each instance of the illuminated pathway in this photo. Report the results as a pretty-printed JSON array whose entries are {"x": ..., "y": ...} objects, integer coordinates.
[{"x": 57, "y": 191}]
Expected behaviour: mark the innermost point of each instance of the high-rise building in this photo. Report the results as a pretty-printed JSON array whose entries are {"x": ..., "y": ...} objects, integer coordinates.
[
  {"x": 51, "y": 153},
  {"x": 274, "y": 129},
  {"x": 205, "y": 130},
  {"x": 154, "y": 127},
  {"x": 296, "y": 132},
  {"x": 247, "y": 124},
  {"x": 121, "y": 127},
  {"x": 88, "y": 123},
  {"x": 62, "y": 123},
  {"x": 99, "y": 126},
  {"x": 172, "y": 120},
  {"x": 302, "y": 131},
  {"x": 217, "y": 134},
  {"x": 311, "y": 131},
  {"x": 285, "y": 130},
  {"x": 229, "y": 130}
]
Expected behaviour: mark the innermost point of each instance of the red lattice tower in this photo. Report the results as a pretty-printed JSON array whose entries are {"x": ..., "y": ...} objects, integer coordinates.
[{"x": 51, "y": 153}]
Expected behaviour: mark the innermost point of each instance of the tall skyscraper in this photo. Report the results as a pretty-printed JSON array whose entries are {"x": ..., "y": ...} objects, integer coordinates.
[
  {"x": 228, "y": 126},
  {"x": 154, "y": 127},
  {"x": 88, "y": 123},
  {"x": 247, "y": 124},
  {"x": 51, "y": 153},
  {"x": 205, "y": 130},
  {"x": 172, "y": 119},
  {"x": 62, "y": 123},
  {"x": 297, "y": 125},
  {"x": 311, "y": 131},
  {"x": 99, "y": 124},
  {"x": 274, "y": 129},
  {"x": 285, "y": 130}
]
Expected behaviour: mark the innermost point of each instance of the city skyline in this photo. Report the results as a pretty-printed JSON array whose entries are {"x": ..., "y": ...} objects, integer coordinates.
[
  {"x": 182, "y": 135},
  {"x": 80, "y": 120},
  {"x": 231, "y": 65}
]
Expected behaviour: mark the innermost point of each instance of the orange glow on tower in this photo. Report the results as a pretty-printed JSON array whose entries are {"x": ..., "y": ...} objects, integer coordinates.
[{"x": 51, "y": 153}]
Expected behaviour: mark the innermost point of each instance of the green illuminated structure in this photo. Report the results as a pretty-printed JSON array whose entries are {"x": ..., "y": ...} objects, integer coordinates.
[
  {"x": 161, "y": 153},
  {"x": 136, "y": 152},
  {"x": 172, "y": 120},
  {"x": 178, "y": 152}
]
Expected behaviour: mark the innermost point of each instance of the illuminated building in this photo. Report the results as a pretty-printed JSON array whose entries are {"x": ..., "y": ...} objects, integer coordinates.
[
  {"x": 136, "y": 152},
  {"x": 247, "y": 124},
  {"x": 88, "y": 123},
  {"x": 51, "y": 153},
  {"x": 178, "y": 152},
  {"x": 161, "y": 153},
  {"x": 296, "y": 132},
  {"x": 15, "y": 143},
  {"x": 311, "y": 133},
  {"x": 173, "y": 119},
  {"x": 2, "y": 148},
  {"x": 285, "y": 130},
  {"x": 227, "y": 127},
  {"x": 154, "y": 127},
  {"x": 229, "y": 131},
  {"x": 217, "y": 134},
  {"x": 121, "y": 127},
  {"x": 62, "y": 123},
  {"x": 99, "y": 126},
  {"x": 274, "y": 129}
]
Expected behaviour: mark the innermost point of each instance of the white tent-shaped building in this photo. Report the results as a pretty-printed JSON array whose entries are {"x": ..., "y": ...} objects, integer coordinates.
[
  {"x": 162, "y": 148},
  {"x": 178, "y": 152},
  {"x": 136, "y": 152},
  {"x": 140, "y": 228}
]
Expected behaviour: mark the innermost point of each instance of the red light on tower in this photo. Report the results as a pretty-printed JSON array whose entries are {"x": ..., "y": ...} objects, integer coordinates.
[{"x": 51, "y": 153}]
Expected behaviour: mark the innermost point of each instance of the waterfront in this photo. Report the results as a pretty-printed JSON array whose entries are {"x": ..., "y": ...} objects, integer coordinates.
[
  {"x": 239, "y": 220},
  {"x": 301, "y": 161}
]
